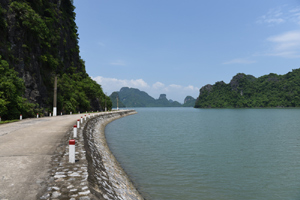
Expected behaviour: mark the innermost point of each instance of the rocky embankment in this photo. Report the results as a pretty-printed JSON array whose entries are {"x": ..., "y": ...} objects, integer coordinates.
[{"x": 96, "y": 173}]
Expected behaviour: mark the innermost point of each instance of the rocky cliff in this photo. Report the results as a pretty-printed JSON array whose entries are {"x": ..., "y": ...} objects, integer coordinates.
[{"x": 39, "y": 40}]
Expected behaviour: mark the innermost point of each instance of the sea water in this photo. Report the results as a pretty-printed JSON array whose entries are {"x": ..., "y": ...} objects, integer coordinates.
[{"x": 187, "y": 153}]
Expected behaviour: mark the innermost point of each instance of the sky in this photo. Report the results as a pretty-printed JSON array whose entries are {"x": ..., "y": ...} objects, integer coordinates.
[{"x": 175, "y": 47}]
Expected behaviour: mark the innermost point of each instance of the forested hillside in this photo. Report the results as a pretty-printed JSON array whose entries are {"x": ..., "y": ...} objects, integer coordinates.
[
  {"x": 189, "y": 101},
  {"x": 247, "y": 91},
  {"x": 38, "y": 41},
  {"x": 132, "y": 97},
  {"x": 115, "y": 99}
]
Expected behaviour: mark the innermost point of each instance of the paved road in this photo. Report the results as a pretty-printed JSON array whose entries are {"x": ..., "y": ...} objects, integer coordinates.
[{"x": 26, "y": 148}]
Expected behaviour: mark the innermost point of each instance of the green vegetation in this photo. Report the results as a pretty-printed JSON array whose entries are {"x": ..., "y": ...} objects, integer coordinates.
[
  {"x": 113, "y": 97},
  {"x": 246, "y": 91},
  {"x": 12, "y": 104},
  {"x": 39, "y": 40},
  {"x": 9, "y": 121},
  {"x": 131, "y": 97},
  {"x": 189, "y": 101},
  {"x": 162, "y": 101},
  {"x": 79, "y": 93}
]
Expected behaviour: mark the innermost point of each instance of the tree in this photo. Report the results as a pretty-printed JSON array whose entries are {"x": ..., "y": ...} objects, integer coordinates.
[{"x": 12, "y": 104}]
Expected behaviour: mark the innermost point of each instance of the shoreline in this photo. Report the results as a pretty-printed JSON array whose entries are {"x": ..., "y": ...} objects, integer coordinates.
[
  {"x": 96, "y": 174},
  {"x": 107, "y": 178}
]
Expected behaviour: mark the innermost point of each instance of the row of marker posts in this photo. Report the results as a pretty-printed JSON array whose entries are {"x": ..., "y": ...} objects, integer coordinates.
[
  {"x": 37, "y": 115},
  {"x": 72, "y": 141}
]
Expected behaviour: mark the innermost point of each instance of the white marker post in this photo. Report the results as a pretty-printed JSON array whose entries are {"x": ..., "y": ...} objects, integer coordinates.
[
  {"x": 37, "y": 115},
  {"x": 70, "y": 113},
  {"x": 55, "y": 97},
  {"x": 20, "y": 117},
  {"x": 84, "y": 117},
  {"x": 89, "y": 115},
  {"x": 81, "y": 120},
  {"x": 50, "y": 114},
  {"x": 54, "y": 111},
  {"x": 75, "y": 131},
  {"x": 60, "y": 113},
  {"x": 78, "y": 123},
  {"x": 71, "y": 151}
]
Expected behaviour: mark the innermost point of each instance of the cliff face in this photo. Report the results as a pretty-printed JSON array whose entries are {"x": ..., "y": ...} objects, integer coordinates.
[
  {"x": 28, "y": 47},
  {"x": 39, "y": 40}
]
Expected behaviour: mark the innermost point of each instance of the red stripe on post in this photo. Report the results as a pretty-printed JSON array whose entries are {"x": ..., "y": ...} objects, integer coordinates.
[
  {"x": 71, "y": 142},
  {"x": 75, "y": 126}
]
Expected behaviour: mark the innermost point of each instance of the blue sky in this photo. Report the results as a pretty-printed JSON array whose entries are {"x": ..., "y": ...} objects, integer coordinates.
[{"x": 176, "y": 47}]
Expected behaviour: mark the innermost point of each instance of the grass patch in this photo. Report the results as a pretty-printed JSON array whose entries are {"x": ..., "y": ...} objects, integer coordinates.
[{"x": 9, "y": 121}]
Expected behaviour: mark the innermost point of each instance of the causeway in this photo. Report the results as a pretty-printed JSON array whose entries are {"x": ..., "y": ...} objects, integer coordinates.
[{"x": 26, "y": 148}]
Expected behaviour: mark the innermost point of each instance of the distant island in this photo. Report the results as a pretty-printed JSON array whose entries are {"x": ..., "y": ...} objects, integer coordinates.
[
  {"x": 246, "y": 91},
  {"x": 132, "y": 97}
]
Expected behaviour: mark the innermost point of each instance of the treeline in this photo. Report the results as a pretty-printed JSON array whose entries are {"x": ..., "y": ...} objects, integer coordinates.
[{"x": 246, "y": 91}]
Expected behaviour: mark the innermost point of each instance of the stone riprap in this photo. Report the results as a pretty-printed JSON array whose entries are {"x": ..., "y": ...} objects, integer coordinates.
[{"x": 96, "y": 174}]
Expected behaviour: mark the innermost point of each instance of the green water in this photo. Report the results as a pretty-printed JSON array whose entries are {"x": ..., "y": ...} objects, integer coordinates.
[{"x": 187, "y": 153}]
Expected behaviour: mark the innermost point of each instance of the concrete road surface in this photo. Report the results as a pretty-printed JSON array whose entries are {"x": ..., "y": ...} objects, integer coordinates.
[{"x": 26, "y": 148}]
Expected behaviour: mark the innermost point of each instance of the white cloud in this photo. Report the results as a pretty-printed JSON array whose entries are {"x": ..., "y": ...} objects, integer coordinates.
[
  {"x": 295, "y": 10},
  {"x": 158, "y": 85},
  {"x": 286, "y": 37},
  {"x": 139, "y": 83},
  {"x": 112, "y": 84},
  {"x": 285, "y": 45},
  {"x": 173, "y": 91},
  {"x": 118, "y": 63},
  {"x": 190, "y": 87},
  {"x": 239, "y": 61},
  {"x": 280, "y": 15},
  {"x": 274, "y": 16},
  {"x": 175, "y": 86}
]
